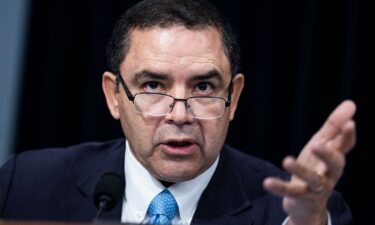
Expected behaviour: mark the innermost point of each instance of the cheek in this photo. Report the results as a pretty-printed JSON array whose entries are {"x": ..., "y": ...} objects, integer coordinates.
[
  {"x": 214, "y": 133},
  {"x": 139, "y": 131}
]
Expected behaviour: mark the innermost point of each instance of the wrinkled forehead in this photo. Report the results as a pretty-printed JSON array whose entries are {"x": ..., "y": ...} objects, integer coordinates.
[{"x": 176, "y": 49}]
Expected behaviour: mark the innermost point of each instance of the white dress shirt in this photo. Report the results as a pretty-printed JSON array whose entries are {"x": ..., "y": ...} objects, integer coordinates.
[{"x": 142, "y": 187}]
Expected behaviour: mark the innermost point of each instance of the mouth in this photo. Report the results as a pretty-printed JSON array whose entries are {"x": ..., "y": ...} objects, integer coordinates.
[
  {"x": 179, "y": 147},
  {"x": 177, "y": 144}
]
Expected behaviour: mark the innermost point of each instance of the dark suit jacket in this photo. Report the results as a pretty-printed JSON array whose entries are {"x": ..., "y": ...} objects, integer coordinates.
[{"x": 58, "y": 185}]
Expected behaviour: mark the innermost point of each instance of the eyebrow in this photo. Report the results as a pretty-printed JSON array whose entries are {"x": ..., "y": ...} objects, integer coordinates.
[
  {"x": 146, "y": 74},
  {"x": 212, "y": 74}
]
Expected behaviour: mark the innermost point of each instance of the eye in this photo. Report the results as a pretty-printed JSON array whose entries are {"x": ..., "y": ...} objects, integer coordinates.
[
  {"x": 152, "y": 86},
  {"x": 204, "y": 87}
]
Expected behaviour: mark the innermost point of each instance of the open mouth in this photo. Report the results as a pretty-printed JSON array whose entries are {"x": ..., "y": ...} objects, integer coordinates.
[
  {"x": 179, "y": 144},
  {"x": 179, "y": 147}
]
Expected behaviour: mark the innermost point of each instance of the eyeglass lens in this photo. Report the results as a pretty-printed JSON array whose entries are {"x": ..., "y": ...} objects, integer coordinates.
[{"x": 158, "y": 105}]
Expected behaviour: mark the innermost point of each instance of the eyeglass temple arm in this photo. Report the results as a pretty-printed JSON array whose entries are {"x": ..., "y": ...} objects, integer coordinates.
[
  {"x": 230, "y": 91},
  {"x": 126, "y": 89}
]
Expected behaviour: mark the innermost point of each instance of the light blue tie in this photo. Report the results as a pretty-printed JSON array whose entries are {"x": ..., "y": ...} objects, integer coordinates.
[{"x": 162, "y": 209}]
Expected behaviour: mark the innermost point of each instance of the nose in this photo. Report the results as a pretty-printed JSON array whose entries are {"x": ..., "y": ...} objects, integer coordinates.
[{"x": 179, "y": 113}]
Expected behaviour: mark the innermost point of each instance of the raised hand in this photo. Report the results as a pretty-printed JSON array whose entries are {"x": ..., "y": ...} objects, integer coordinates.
[{"x": 317, "y": 169}]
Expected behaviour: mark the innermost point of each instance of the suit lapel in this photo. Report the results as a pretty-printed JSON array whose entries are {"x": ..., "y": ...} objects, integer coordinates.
[{"x": 225, "y": 195}]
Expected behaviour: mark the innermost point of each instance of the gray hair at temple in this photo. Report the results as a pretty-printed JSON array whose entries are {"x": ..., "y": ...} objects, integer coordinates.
[{"x": 192, "y": 14}]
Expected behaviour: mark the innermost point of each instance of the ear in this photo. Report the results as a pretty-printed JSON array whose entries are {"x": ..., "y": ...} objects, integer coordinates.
[
  {"x": 238, "y": 83},
  {"x": 111, "y": 94}
]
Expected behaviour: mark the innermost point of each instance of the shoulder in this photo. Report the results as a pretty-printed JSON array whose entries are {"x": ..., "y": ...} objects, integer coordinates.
[
  {"x": 248, "y": 173},
  {"x": 49, "y": 178},
  {"x": 242, "y": 176},
  {"x": 247, "y": 164},
  {"x": 50, "y": 160}
]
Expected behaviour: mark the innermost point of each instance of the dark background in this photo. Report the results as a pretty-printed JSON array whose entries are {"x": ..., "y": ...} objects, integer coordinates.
[{"x": 301, "y": 58}]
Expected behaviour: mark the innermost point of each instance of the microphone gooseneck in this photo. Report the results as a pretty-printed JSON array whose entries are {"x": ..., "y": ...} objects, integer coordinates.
[{"x": 108, "y": 192}]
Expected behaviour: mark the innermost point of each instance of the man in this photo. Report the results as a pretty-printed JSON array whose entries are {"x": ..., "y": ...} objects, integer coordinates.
[{"x": 174, "y": 86}]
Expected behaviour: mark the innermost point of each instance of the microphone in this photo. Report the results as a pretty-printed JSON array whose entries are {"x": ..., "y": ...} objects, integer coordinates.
[{"x": 108, "y": 192}]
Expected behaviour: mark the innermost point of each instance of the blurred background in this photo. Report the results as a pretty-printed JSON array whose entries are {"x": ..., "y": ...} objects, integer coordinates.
[{"x": 301, "y": 58}]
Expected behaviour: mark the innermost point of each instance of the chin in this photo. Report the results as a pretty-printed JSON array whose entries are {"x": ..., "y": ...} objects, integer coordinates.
[
  {"x": 178, "y": 174},
  {"x": 176, "y": 179}
]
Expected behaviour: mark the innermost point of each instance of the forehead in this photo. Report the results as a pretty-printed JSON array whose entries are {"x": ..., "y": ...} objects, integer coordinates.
[{"x": 176, "y": 51}]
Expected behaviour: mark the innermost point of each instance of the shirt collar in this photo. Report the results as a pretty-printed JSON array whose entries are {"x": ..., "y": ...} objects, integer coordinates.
[{"x": 139, "y": 180}]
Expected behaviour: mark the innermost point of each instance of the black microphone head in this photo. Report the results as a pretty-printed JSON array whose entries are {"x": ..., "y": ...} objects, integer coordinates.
[{"x": 109, "y": 189}]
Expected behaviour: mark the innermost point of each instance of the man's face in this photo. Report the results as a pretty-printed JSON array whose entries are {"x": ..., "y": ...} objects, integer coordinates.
[{"x": 181, "y": 63}]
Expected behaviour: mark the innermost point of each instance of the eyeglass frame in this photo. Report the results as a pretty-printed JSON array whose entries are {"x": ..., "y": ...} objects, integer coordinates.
[{"x": 131, "y": 96}]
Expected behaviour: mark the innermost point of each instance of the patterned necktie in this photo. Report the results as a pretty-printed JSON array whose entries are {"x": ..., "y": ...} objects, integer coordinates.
[{"x": 162, "y": 209}]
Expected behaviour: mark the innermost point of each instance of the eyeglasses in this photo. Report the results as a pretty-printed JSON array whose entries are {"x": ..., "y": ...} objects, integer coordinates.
[{"x": 159, "y": 104}]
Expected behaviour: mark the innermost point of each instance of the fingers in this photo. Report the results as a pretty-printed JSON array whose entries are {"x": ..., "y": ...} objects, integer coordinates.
[
  {"x": 284, "y": 188},
  {"x": 336, "y": 120},
  {"x": 346, "y": 139},
  {"x": 332, "y": 153},
  {"x": 343, "y": 141},
  {"x": 337, "y": 133},
  {"x": 307, "y": 180},
  {"x": 321, "y": 185},
  {"x": 334, "y": 162},
  {"x": 314, "y": 179},
  {"x": 294, "y": 189}
]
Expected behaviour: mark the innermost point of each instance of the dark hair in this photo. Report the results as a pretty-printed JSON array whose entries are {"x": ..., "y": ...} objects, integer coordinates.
[{"x": 192, "y": 14}]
